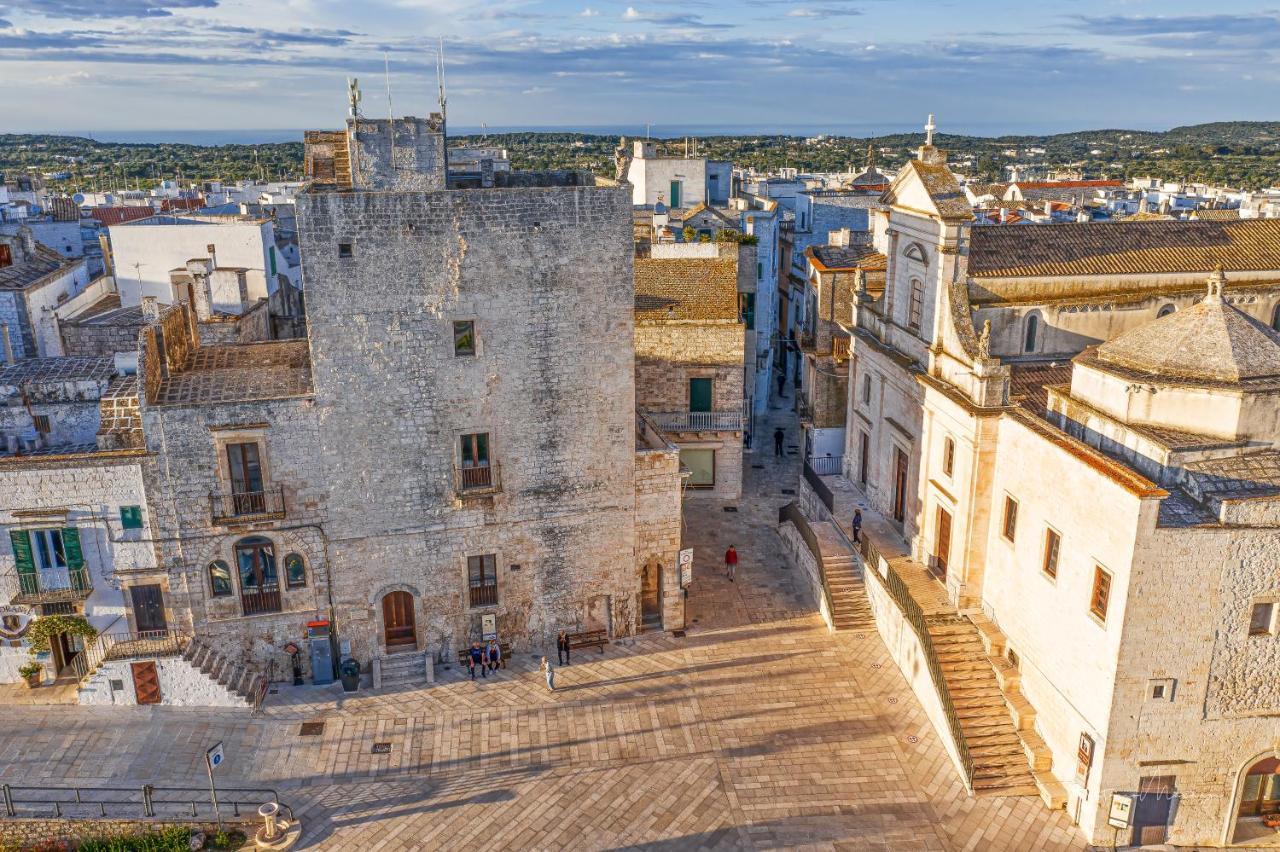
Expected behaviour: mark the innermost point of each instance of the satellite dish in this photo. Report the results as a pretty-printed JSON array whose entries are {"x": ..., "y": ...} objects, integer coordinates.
[{"x": 78, "y": 198}]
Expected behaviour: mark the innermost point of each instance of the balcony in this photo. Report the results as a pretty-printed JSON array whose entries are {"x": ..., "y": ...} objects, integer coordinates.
[
  {"x": 259, "y": 599},
  {"x": 226, "y": 508},
  {"x": 840, "y": 349},
  {"x": 486, "y": 595},
  {"x": 62, "y": 585},
  {"x": 698, "y": 421},
  {"x": 476, "y": 480}
]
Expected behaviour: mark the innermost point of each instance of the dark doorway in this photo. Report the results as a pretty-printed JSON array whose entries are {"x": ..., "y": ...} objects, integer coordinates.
[
  {"x": 148, "y": 608},
  {"x": 1153, "y": 811},
  {"x": 398, "y": 624},
  {"x": 651, "y": 597},
  {"x": 146, "y": 682},
  {"x": 899, "y": 485},
  {"x": 864, "y": 456},
  {"x": 942, "y": 543}
]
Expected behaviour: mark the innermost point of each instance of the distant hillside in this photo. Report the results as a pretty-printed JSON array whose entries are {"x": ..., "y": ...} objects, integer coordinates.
[{"x": 1233, "y": 153}]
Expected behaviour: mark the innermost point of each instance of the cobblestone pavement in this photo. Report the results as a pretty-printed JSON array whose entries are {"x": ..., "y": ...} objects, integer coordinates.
[{"x": 757, "y": 729}]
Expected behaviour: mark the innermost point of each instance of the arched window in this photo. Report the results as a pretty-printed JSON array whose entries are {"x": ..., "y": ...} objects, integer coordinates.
[
  {"x": 1165, "y": 311},
  {"x": 259, "y": 582},
  {"x": 295, "y": 571},
  {"x": 1029, "y": 341},
  {"x": 220, "y": 579},
  {"x": 1275, "y": 318}
]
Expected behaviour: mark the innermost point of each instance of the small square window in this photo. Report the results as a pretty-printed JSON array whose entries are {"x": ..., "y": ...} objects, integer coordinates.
[
  {"x": 346, "y": 249},
  {"x": 464, "y": 337},
  {"x": 131, "y": 517},
  {"x": 1260, "y": 619},
  {"x": 1161, "y": 689},
  {"x": 1009, "y": 526}
]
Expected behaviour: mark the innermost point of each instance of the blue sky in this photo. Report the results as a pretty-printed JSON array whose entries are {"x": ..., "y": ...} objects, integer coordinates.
[{"x": 982, "y": 67}]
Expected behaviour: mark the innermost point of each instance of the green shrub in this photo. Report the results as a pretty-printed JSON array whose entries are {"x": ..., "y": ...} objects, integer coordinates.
[{"x": 43, "y": 629}]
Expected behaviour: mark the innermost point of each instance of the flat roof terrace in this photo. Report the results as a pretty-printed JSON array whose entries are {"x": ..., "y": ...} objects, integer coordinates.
[{"x": 239, "y": 373}]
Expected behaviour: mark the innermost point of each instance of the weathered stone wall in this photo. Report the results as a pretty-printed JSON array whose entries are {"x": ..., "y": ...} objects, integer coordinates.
[
  {"x": 46, "y": 833},
  {"x": 658, "y": 526},
  {"x": 13, "y": 313},
  {"x": 98, "y": 340},
  {"x": 546, "y": 276},
  {"x": 669, "y": 354},
  {"x": 418, "y": 150}
]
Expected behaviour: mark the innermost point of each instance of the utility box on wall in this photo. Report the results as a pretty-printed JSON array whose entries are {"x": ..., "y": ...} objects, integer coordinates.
[{"x": 319, "y": 639}]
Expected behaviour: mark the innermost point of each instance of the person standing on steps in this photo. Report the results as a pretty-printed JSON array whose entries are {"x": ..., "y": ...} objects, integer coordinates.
[
  {"x": 562, "y": 648},
  {"x": 779, "y": 436},
  {"x": 730, "y": 562},
  {"x": 857, "y": 525},
  {"x": 551, "y": 674}
]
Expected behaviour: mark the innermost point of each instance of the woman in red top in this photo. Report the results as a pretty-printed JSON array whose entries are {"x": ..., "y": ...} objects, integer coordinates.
[{"x": 730, "y": 562}]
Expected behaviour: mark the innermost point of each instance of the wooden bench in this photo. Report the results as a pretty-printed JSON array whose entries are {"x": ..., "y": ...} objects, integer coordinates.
[
  {"x": 464, "y": 655},
  {"x": 588, "y": 639}
]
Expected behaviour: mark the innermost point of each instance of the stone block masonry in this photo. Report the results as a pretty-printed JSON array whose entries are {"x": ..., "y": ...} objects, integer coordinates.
[{"x": 544, "y": 274}]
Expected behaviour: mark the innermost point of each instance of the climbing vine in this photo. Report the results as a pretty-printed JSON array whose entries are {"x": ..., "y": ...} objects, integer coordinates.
[{"x": 42, "y": 630}]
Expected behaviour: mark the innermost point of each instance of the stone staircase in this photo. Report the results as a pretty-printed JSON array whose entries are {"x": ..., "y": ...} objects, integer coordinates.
[
  {"x": 850, "y": 609},
  {"x": 241, "y": 681},
  {"x": 407, "y": 669},
  {"x": 1009, "y": 758}
]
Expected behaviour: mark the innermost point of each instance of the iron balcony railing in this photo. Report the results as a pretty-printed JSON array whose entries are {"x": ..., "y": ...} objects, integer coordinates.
[
  {"x": 63, "y": 585},
  {"x": 477, "y": 479},
  {"x": 486, "y": 595},
  {"x": 698, "y": 421},
  {"x": 840, "y": 348},
  {"x": 825, "y": 465},
  {"x": 145, "y": 802},
  {"x": 235, "y": 507},
  {"x": 259, "y": 599},
  {"x": 124, "y": 646}
]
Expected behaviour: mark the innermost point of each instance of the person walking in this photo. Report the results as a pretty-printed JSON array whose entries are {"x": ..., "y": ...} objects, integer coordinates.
[
  {"x": 495, "y": 655},
  {"x": 551, "y": 674},
  {"x": 779, "y": 436},
  {"x": 782, "y": 383},
  {"x": 562, "y": 648},
  {"x": 857, "y": 525},
  {"x": 730, "y": 562},
  {"x": 475, "y": 657}
]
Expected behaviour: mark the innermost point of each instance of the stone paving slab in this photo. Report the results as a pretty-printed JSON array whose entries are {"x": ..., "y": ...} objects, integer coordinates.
[{"x": 758, "y": 729}]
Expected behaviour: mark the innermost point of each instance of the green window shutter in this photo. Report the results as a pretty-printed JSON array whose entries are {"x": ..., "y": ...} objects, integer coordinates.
[
  {"x": 700, "y": 394},
  {"x": 271, "y": 252},
  {"x": 131, "y": 517},
  {"x": 22, "y": 555},
  {"x": 71, "y": 548}
]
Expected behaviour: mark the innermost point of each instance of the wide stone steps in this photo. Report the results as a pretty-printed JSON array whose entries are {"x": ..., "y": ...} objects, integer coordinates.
[
  {"x": 405, "y": 669},
  {"x": 850, "y": 609}
]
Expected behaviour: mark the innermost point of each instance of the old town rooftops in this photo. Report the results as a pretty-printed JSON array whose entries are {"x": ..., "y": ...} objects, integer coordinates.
[
  {"x": 841, "y": 258},
  {"x": 239, "y": 373},
  {"x": 55, "y": 370},
  {"x": 1125, "y": 248},
  {"x": 32, "y": 270},
  {"x": 686, "y": 289}
]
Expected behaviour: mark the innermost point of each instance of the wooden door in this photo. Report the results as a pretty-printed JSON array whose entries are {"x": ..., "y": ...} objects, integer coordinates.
[
  {"x": 942, "y": 541},
  {"x": 148, "y": 608},
  {"x": 146, "y": 682},
  {"x": 398, "y": 623},
  {"x": 899, "y": 485}
]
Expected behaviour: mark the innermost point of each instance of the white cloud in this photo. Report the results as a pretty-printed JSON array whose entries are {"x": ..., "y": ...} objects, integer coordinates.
[
  {"x": 537, "y": 90},
  {"x": 589, "y": 13},
  {"x": 631, "y": 14}
]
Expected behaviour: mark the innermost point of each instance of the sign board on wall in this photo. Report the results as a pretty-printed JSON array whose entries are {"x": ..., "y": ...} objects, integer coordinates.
[
  {"x": 488, "y": 626},
  {"x": 686, "y": 566},
  {"x": 1121, "y": 813}
]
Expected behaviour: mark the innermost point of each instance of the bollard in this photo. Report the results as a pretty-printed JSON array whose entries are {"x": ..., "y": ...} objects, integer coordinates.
[{"x": 269, "y": 812}]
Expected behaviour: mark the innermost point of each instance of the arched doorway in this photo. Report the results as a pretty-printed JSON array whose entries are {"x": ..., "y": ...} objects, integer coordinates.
[
  {"x": 651, "y": 596},
  {"x": 399, "y": 627},
  {"x": 1258, "y": 800}
]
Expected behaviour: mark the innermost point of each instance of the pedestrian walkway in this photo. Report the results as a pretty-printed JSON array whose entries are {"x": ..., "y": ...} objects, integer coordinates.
[{"x": 757, "y": 729}]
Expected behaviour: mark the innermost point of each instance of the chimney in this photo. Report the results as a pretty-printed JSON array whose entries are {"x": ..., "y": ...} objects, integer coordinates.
[
  {"x": 213, "y": 255},
  {"x": 150, "y": 308},
  {"x": 8, "y": 344},
  {"x": 841, "y": 238},
  {"x": 28, "y": 243}
]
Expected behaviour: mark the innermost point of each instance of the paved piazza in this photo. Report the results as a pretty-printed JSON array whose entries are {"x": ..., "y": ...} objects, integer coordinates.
[{"x": 758, "y": 729}]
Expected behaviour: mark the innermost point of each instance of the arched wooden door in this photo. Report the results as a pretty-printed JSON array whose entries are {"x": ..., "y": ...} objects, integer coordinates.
[{"x": 399, "y": 629}]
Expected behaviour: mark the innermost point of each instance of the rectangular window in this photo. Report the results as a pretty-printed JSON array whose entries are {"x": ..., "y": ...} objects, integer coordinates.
[
  {"x": 1052, "y": 542},
  {"x": 131, "y": 517},
  {"x": 475, "y": 469},
  {"x": 41, "y": 423},
  {"x": 701, "y": 465},
  {"x": 271, "y": 253},
  {"x": 244, "y": 468},
  {"x": 747, "y": 308},
  {"x": 1260, "y": 619},
  {"x": 464, "y": 337},
  {"x": 916, "y": 308},
  {"x": 1009, "y": 526},
  {"x": 948, "y": 456},
  {"x": 482, "y": 580},
  {"x": 346, "y": 249},
  {"x": 1101, "y": 596}
]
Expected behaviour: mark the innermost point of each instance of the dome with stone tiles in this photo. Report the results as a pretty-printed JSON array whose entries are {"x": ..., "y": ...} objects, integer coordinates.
[{"x": 1211, "y": 342}]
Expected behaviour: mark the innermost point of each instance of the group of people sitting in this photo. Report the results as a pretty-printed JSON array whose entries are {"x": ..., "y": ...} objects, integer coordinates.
[{"x": 487, "y": 659}]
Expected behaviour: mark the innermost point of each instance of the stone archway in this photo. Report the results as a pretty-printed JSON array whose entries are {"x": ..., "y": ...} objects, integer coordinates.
[{"x": 1256, "y": 799}]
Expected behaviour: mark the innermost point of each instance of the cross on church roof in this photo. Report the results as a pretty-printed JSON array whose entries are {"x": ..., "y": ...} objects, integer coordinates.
[{"x": 929, "y": 127}]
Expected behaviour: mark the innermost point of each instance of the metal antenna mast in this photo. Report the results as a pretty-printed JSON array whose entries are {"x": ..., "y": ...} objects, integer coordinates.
[{"x": 391, "y": 116}]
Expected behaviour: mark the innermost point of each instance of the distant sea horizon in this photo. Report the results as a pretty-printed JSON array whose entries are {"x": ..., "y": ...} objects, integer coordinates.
[{"x": 261, "y": 136}]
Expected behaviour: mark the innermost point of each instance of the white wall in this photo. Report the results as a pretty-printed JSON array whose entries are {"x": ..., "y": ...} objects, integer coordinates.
[
  {"x": 181, "y": 685},
  {"x": 145, "y": 254}
]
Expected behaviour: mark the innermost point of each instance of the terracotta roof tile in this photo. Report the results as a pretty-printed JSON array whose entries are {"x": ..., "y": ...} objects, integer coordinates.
[
  {"x": 1125, "y": 248},
  {"x": 703, "y": 289}
]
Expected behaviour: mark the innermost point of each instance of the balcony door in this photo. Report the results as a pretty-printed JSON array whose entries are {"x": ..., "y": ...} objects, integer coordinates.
[
  {"x": 245, "y": 468},
  {"x": 259, "y": 582},
  {"x": 398, "y": 622},
  {"x": 942, "y": 542},
  {"x": 475, "y": 461},
  {"x": 899, "y": 485},
  {"x": 700, "y": 395}
]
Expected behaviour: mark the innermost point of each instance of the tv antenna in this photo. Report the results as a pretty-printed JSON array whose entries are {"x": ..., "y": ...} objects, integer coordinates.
[
  {"x": 440, "y": 77},
  {"x": 391, "y": 116}
]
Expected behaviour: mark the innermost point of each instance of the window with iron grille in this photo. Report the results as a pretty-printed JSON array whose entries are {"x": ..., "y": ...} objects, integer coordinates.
[
  {"x": 464, "y": 337},
  {"x": 482, "y": 579}
]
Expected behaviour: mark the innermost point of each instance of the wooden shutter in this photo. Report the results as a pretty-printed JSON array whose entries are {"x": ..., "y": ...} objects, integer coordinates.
[
  {"x": 22, "y": 556},
  {"x": 71, "y": 548}
]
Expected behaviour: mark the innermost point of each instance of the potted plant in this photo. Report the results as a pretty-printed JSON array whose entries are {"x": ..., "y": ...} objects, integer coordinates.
[{"x": 31, "y": 672}]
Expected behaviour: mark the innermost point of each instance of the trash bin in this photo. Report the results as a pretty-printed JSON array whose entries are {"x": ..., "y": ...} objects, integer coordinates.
[{"x": 349, "y": 672}]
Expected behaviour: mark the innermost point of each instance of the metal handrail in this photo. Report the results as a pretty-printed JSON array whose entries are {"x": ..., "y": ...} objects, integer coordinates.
[
  {"x": 123, "y": 646},
  {"x": 146, "y": 801},
  {"x": 229, "y": 506},
  {"x": 819, "y": 487},
  {"x": 900, "y": 594},
  {"x": 78, "y": 582},
  {"x": 825, "y": 465},
  {"x": 698, "y": 421},
  {"x": 791, "y": 512}
]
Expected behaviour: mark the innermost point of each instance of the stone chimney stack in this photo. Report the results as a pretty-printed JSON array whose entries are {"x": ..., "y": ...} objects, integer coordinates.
[{"x": 150, "y": 308}]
